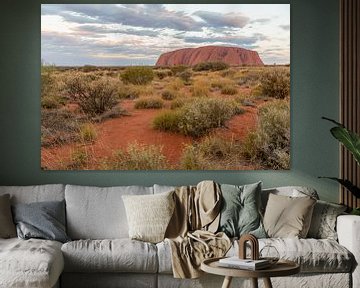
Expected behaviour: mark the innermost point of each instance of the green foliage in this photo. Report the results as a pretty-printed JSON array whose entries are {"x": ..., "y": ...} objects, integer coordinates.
[
  {"x": 93, "y": 97},
  {"x": 276, "y": 83},
  {"x": 139, "y": 157},
  {"x": 167, "y": 121},
  {"x": 168, "y": 95},
  {"x": 79, "y": 160},
  {"x": 137, "y": 75},
  {"x": 269, "y": 144},
  {"x": 210, "y": 66},
  {"x": 177, "y": 103},
  {"x": 88, "y": 132},
  {"x": 149, "y": 103},
  {"x": 163, "y": 73},
  {"x": 201, "y": 115},
  {"x": 229, "y": 90},
  {"x": 177, "y": 69},
  {"x": 128, "y": 92}
]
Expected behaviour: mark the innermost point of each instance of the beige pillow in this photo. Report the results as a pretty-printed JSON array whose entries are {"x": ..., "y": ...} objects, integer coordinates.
[
  {"x": 288, "y": 217},
  {"x": 7, "y": 226},
  {"x": 148, "y": 215}
]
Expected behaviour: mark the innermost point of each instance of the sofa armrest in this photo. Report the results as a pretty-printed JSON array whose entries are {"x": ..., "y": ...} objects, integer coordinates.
[{"x": 348, "y": 230}]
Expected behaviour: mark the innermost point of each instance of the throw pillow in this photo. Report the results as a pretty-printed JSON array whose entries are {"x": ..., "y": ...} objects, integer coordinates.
[
  {"x": 149, "y": 215},
  {"x": 240, "y": 213},
  {"x": 288, "y": 217},
  {"x": 323, "y": 222},
  {"x": 43, "y": 220},
  {"x": 7, "y": 227}
]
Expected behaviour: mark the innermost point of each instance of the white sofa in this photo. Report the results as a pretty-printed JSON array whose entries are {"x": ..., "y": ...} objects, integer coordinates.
[{"x": 101, "y": 255}]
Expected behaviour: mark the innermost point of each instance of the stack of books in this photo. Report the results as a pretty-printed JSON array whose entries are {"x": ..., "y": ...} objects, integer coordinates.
[{"x": 248, "y": 264}]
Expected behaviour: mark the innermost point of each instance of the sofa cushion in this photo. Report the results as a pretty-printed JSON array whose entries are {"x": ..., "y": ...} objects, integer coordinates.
[
  {"x": 98, "y": 213},
  {"x": 117, "y": 255},
  {"x": 30, "y": 263},
  {"x": 313, "y": 255},
  {"x": 149, "y": 215},
  {"x": 7, "y": 226},
  {"x": 37, "y": 193},
  {"x": 287, "y": 216}
]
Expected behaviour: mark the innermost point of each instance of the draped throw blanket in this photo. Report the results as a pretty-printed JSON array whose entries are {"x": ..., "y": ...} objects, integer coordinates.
[{"x": 191, "y": 231}]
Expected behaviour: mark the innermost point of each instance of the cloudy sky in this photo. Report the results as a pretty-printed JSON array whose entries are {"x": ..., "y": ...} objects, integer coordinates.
[{"x": 136, "y": 34}]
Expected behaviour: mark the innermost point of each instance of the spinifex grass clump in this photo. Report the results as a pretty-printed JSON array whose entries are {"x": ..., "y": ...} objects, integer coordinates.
[
  {"x": 149, "y": 103},
  {"x": 229, "y": 90},
  {"x": 137, "y": 75},
  {"x": 168, "y": 95},
  {"x": 276, "y": 83},
  {"x": 269, "y": 143}
]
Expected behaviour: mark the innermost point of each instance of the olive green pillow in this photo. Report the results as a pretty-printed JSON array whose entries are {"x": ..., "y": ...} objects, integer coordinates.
[
  {"x": 7, "y": 226},
  {"x": 240, "y": 213},
  {"x": 288, "y": 217}
]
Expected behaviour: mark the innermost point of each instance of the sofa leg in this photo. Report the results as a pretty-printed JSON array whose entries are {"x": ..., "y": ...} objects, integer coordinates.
[
  {"x": 227, "y": 282},
  {"x": 267, "y": 283},
  {"x": 254, "y": 282}
]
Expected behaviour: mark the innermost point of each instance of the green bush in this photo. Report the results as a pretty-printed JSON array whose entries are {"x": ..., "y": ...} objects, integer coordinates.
[
  {"x": 201, "y": 115},
  {"x": 276, "y": 83},
  {"x": 139, "y": 157},
  {"x": 137, "y": 75},
  {"x": 269, "y": 143},
  {"x": 210, "y": 66},
  {"x": 229, "y": 90},
  {"x": 167, "y": 121},
  {"x": 93, "y": 97},
  {"x": 168, "y": 95},
  {"x": 128, "y": 92},
  {"x": 149, "y": 103}
]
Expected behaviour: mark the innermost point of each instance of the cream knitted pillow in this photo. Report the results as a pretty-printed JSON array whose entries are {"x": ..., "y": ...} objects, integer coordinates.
[{"x": 149, "y": 215}]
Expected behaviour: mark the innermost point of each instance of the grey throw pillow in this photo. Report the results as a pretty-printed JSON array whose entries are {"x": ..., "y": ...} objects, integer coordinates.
[
  {"x": 43, "y": 220},
  {"x": 323, "y": 222},
  {"x": 240, "y": 213},
  {"x": 7, "y": 227}
]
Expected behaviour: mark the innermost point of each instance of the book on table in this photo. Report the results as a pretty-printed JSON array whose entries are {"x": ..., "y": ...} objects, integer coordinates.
[{"x": 236, "y": 262}]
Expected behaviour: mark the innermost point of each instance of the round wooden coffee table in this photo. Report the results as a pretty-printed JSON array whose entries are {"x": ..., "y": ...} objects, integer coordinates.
[{"x": 281, "y": 268}]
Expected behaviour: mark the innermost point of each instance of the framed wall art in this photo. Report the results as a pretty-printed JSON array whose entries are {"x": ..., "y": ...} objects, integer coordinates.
[{"x": 165, "y": 86}]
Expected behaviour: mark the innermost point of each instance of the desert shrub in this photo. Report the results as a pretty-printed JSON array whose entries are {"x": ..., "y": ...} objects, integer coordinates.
[
  {"x": 176, "y": 84},
  {"x": 137, "y": 75},
  {"x": 59, "y": 126},
  {"x": 229, "y": 90},
  {"x": 177, "y": 103},
  {"x": 79, "y": 160},
  {"x": 269, "y": 143},
  {"x": 114, "y": 112},
  {"x": 51, "y": 102},
  {"x": 93, "y": 97},
  {"x": 228, "y": 73},
  {"x": 161, "y": 74},
  {"x": 149, "y": 103},
  {"x": 210, "y": 66},
  {"x": 167, "y": 121},
  {"x": 177, "y": 69},
  {"x": 276, "y": 83},
  {"x": 89, "y": 68},
  {"x": 128, "y": 92},
  {"x": 185, "y": 76},
  {"x": 211, "y": 153},
  {"x": 201, "y": 115},
  {"x": 249, "y": 78},
  {"x": 88, "y": 132},
  {"x": 168, "y": 95},
  {"x": 139, "y": 157}
]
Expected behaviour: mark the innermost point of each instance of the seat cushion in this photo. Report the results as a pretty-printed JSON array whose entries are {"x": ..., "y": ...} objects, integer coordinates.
[
  {"x": 117, "y": 255},
  {"x": 313, "y": 255},
  {"x": 30, "y": 263},
  {"x": 98, "y": 213}
]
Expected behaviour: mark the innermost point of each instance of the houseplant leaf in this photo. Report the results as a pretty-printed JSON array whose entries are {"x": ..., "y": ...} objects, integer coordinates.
[{"x": 349, "y": 139}]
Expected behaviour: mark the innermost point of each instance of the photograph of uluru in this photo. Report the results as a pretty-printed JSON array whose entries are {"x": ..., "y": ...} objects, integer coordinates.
[{"x": 165, "y": 86}]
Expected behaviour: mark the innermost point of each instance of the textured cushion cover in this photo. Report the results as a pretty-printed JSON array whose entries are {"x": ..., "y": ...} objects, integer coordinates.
[
  {"x": 98, "y": 213},
  {"x": 44, "y": 220},
  {"x": 149, "y": 215},
  {"x": 323, "y": 222},
  {"x": 7, "y": 227},
  {"x": 240, "y": 213},
  {"x": 33, "y": 263},
  {"x": 117, "y": 255},
  {"x": 287, "y": 216}
]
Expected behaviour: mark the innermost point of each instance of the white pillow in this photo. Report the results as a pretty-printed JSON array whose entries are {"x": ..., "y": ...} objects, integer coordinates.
[{"x": 149, "y": 215}]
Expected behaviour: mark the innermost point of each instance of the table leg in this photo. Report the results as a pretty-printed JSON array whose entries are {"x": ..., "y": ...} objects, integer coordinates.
[
  {"x": 267, "y": 283},
  {"x": 254, "y": 282},
  {"x": 227, "y": 282}
]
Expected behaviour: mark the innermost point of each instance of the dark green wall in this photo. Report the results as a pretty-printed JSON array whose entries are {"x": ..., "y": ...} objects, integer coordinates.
[{"x": 314, "y": 91}]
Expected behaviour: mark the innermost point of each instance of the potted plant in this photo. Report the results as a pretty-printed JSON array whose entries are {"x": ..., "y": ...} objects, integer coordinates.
[{"x": 351, "y": 141}]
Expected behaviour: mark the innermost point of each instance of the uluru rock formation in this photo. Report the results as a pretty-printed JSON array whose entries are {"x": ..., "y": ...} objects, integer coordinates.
[{"x": 234, "y": 56}]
